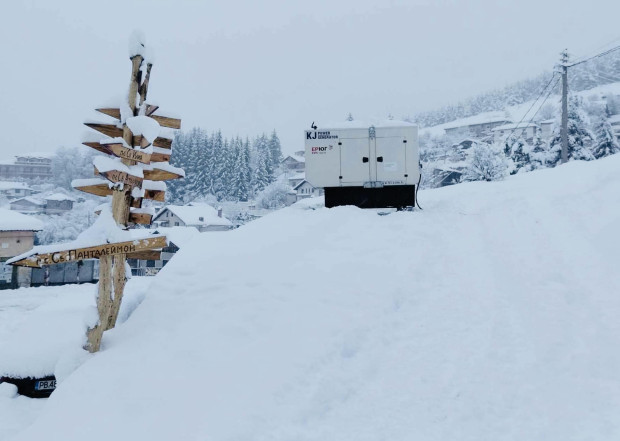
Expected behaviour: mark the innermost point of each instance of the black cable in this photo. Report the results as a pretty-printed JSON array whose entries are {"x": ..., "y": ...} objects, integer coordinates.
[{"x": 417, "y": 189}]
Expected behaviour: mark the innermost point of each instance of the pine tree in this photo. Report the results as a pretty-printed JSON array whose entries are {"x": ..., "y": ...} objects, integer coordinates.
[
  {"x": 606, "y": 142},
  {"x": 580, "y": 139},
  {"x": 261, "y": 173},
  {"x": 275, "y": 150},
  {"x": 519, "y": 156}
]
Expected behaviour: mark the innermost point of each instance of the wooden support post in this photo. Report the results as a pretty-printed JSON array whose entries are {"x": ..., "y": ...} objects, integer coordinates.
[
  {"x": 121, "y": 200},
  {"x": 104, "y": 305}
]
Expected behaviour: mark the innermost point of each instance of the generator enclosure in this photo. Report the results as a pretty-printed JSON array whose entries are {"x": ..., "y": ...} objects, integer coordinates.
[{"x": 364, "y": 165}]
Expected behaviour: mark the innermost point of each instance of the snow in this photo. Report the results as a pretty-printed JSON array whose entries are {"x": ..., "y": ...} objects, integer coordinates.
[
  {"x": 490, "y": 315},
  {"x": 58, "y": 197},
  {"x": 137, "y": 43},
  {"x": 363, "y": 124},
  {"x": 153, "y": 185},
  {"x": 33, "y": 200},
  {"x": 8, "y": 185},
  {"x": 522, "y": 125},
  {"x": 106, "y": 164},
  {"x": 117, "y": 140},
  {"x": 14, "y": 221},
  {"x": 165, "y": 166},
  {"x": 41, "y": 332},
  {"x": 191, "y": 214},
  {"x": 145, "y": 126},
  {"x": 90, "y": 181}
]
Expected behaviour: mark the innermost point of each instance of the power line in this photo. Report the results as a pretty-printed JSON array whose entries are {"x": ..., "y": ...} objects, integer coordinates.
[
  {"x": 533, "y": 104},
  {"x": 615, "y": 40},
  {"x": 613, "y": 49}
]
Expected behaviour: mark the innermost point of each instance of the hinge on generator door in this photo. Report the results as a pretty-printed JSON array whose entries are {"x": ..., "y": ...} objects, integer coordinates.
[{"x": 371, "y": 132}]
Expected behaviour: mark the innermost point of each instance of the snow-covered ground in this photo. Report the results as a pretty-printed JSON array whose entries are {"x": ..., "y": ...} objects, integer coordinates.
[{"x": 490, "y": 315}]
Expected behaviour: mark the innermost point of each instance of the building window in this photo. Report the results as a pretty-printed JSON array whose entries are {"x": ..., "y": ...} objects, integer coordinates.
[
  {"x": 176, "y": 224},
  {"x": 150, "y": 264}
]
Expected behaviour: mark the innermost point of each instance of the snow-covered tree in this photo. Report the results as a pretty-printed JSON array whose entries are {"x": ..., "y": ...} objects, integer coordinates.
[
  {"x": 606, "y": 143},
  {"x": 580, "y": 139},
  {"x": 486, "y": 164}
]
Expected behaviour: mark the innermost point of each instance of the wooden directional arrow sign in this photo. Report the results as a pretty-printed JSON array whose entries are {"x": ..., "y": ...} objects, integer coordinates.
[
  {"x": 164, "y": 121},
  {"x": 157, "y": 174},
  {"x": 136, "y": 218},
  {"x": 116, "y": 132},
  {"x": 132, "y": 154},
  {"x": 108, "y": 249},
  {"x": 118, "y": 176},
  {"x": 102, "y": 189}
]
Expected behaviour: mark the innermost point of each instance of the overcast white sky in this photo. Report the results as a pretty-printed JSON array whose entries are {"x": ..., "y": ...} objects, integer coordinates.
[{"x": 249, "y": 67}]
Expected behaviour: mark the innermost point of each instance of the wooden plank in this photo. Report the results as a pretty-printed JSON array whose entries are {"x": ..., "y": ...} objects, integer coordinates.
[
  {"x": 97, "y": 189},
  {"x": 99, "y": 147},
  {"x": 118, "y": 176},
  {"x": 156, "y": 195},
  {"x": 164, "y": 143},
  {"x": 136, "y": 203},
  {"x": 114, "y": 113},
  {"x": 95, "y": 252},
  {"x": 166, "y": 121},
  {"x": 136, "y": 218},
  {"x": 160, "y": 175},
  {"x": 160, "y": 157},
  {"x": 145, "y": 255},
  {"x": 140, "y": 218},
  {"x": 107, "y": 129},
  {"x": 131, "y": 154}
]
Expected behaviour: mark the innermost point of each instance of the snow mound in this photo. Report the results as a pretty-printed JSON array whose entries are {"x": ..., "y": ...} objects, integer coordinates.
[{"x": 492, "y": 314}]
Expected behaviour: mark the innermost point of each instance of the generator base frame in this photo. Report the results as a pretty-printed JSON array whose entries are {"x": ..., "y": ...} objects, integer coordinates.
[{"x": 397, "y": 196}]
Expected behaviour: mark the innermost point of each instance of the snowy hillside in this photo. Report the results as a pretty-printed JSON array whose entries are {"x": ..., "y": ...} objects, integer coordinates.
[{"x": 490, "y": 315}]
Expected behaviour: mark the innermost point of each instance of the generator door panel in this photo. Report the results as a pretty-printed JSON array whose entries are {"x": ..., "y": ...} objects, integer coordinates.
[
  {"x": 355, "y": 160},
  {"x": 391, "y": 160}
]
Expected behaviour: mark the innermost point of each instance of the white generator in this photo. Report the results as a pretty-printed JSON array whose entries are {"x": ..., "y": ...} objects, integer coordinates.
[{"x": 371, "y": 166}]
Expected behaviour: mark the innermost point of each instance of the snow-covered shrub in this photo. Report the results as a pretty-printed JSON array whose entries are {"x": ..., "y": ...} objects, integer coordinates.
[{"x": 486, "y": 164}]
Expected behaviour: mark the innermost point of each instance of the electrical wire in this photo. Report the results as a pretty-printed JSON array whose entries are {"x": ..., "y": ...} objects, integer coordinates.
[
  {"x": 417, "y": 189},
  {"x": 615, "y": 40},
  {"x": 532, "y": 106},
  {"x": 613, "y": 49}
]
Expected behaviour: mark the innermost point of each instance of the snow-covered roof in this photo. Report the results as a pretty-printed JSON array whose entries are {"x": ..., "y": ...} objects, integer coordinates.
[
  {"x": 295, "y": 157},
  {"x": 614, "y": 119},
  {"x": 548, "y": 121},
  {"x": 14, "y": 221},
  {"x": 59, "y": 197},
  {"x": 360, "y": 124},
  {"x": 45, "y": 155},
  {"x": 191, "y": 215},
  {"x": 515, "y": 126},
  {"x": 301, "y": 175},
  {"x": 482, "y": 118},
  {"x": 302, "y": 183},
  {"x": 9, "y": 185},
  {"x": 30, "y": 199}
]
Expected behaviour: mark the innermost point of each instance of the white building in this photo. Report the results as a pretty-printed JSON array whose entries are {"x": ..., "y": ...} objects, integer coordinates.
[
  {"x": 201, "y": 216},
  {"x": 306, "y": 190},
  {"x": 13, "y": 190},
  {"x": 477, "y": 125},
  {"x": 522, "y": 130},
  {"x": 16, "y": 237}
]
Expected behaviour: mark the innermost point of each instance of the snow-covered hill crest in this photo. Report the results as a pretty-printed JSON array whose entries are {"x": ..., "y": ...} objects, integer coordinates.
[{"x": 492, "y": 314}]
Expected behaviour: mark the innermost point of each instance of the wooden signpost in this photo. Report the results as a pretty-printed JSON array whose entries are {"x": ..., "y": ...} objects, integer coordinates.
[{"x": 122, "y": 186}]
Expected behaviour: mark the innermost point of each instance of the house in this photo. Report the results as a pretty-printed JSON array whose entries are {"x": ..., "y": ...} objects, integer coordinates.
[
  {"x": 13, "y": 190},
  {"x": 306, "y": 190},
  {"x": 16, "y": 237},
  {"x": 32, "y": 166},
  {"x": 526, "y": 131},
  {"x": 296, "y": 178},
  {"x": 201, "y": 216},
  {"x": 177, "y": 237},
  {"x": 478, "y": 125},
  {"x": 28, "y": 205},
  {"x": 297, "y": 161},
  {"x": 58, "y": 203}
]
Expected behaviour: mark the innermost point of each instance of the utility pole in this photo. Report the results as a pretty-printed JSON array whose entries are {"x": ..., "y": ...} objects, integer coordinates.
[{"x": 564, "y": 128}]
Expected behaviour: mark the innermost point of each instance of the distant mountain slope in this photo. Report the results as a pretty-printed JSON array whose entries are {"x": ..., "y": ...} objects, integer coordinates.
[
  {"x": 588, "y": 75},
  {"x": 490, "y": 315}
]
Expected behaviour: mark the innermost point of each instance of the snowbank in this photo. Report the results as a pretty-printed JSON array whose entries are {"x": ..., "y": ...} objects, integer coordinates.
[
  {"x": 14, "y": 221},
  {"x": 492, "y": 314}
]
